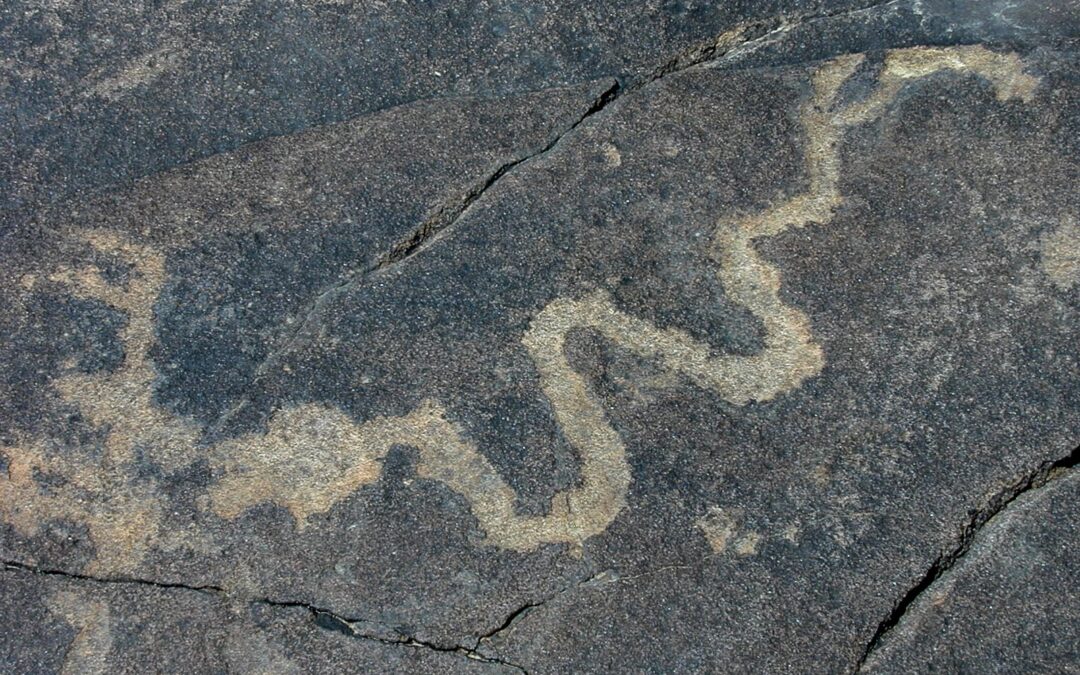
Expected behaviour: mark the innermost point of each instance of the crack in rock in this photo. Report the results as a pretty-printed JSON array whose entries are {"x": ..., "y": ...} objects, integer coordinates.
[
  {"x": 365, "y": 629},
  {"x": 355, "y": 628},
  {"x": 979, "y": 518},
  {"x": 450, "y": 212},
  {"x": 15, "y": 565},
  {"x": 322, "y": 617},
  {"x": 733, "y": 42}
]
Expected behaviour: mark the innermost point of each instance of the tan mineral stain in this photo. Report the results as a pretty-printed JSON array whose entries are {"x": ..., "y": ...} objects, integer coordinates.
[
  {"x": 1059, "y": 254},
  {"x": 89, "y": 651}
]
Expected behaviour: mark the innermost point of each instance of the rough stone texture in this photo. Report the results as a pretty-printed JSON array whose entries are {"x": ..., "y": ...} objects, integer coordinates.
[
  {"x": 666, "y": 337},
  {"x": 1009, "y": 605},
  {"x": 54, "y": 624}
]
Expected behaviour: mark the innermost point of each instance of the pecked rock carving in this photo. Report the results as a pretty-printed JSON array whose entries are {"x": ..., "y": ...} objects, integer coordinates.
[
  {"x": 89, "y": 651},
  {"x": 99, "y": 490},
  {"x": 1059, "y": 251},
  {"x": 313, "y": 456}
]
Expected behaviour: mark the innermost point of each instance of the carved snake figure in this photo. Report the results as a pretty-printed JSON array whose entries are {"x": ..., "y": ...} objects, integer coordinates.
[{"x": 314, "y": 456}]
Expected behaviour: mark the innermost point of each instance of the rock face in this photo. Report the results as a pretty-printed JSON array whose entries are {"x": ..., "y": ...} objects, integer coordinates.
[
  {"x": 1006, "y": 606},
  {"x": 542, "y": 337}
]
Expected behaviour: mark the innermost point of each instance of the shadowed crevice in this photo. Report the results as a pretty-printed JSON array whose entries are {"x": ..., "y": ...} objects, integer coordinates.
[
  {"x": 980, "y": 518},
  {"x": 361, "y": 629},
  {"x": 16, "y": 566},
  {"x": 322, "y": 617}
]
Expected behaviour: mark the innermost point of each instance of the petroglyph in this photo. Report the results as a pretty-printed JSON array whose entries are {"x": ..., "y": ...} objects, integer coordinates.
[
  {"x": 790, "y": 354},
  {"x": 1060, "y": 254},
  {"x": 99, "y": 488},
  {"x": 312, "y": 457},
  {"x": 720, "y": 527},
  {"x": 123, "y": 399},
  {"x": 89, "y": 651}
]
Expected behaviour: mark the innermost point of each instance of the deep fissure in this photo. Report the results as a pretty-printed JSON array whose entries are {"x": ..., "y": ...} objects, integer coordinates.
[{"x": 994, "y": 506}]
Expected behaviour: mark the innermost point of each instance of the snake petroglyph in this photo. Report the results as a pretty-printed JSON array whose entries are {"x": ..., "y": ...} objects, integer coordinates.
[{"x": 314, "y": 456}]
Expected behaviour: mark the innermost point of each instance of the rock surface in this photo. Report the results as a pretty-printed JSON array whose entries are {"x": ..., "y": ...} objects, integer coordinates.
[
  {"x": 545, "y": 337},
  {"x": 1006, "y": 607}
]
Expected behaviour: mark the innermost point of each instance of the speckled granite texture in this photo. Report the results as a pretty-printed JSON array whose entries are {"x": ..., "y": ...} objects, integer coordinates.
[{"x": 546, "y": 337}]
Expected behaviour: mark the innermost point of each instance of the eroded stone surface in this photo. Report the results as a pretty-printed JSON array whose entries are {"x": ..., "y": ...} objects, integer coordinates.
[
  {"x": 1009, "y": 605},
  {"x": 53, "y": 624},
  {"x": 702, "y": 370},
  {"x": 144, "y": 87}
]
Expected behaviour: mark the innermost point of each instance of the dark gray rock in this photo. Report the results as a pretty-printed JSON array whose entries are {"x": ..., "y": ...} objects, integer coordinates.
[
  {"x": 97, "y": 96},
  {"x": 52, "y": 624},
  {"x": 717, "y": 352},
  {"x": 343, "y": 195},
  {"x": 93, "y": 96},
  {"x": 1010, "y": 605}
]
